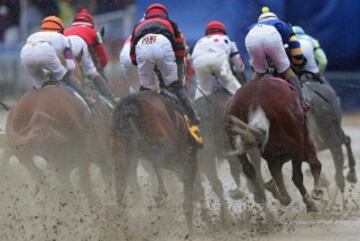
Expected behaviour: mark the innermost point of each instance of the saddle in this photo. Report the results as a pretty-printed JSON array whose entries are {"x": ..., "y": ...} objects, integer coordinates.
[{"x": 69, "y": 89}]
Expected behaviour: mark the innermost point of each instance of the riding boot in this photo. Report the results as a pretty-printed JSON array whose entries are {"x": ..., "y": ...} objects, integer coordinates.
[
  {"x": 184, "y": 98},
  {"x": 99, "y": 83},
  {"x": 296, "y": 83},
  {"x": 70, "y": 80}
]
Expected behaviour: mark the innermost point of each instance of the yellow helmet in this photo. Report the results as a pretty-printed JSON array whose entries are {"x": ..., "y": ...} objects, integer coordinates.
[
  {"x": 265, "y": 14},
  {"x": 52, "y": 24}
]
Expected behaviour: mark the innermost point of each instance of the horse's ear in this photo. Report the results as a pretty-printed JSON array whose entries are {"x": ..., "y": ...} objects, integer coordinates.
[{"x": 102, "y": 31}]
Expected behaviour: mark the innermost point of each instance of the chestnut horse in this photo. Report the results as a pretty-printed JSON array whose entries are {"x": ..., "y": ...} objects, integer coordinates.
[
  {"x": 267, "y": 114},
  {"x": 150, "y": 126},
  {"x": 52, "y": 122}
]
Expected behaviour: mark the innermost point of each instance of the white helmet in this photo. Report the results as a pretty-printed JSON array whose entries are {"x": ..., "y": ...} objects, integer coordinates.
[{"x": 266, "y": 14}]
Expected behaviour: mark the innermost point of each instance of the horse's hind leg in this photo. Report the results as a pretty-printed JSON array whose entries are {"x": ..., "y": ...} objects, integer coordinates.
[
  {"x": 338, "y": 159},
  {"x": 351, "y": 176},
  {"x": 189, "y": 174},
  {"x": 298, "y": 180},
  {"x": 216, "y": 185},
  {"x": 250, "y": 172},
  {"x": 235, "y": 170},
  {"x": 275, "y": 169},
  {"x": 38, "y": 175},
  {"x": 161, "y": 196}
]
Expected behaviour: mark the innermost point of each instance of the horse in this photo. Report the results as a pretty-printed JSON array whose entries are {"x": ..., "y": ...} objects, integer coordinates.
[
  {"x": 211, "y": 112},
  {"x": 55, "y": 123},
  {"x": 266, "y": 114},
  {"x": 149, "y": 126},
  {"x": 325, "y": 126}
]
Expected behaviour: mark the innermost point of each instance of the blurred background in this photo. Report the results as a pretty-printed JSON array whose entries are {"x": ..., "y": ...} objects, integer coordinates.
[{"x": 335, "y": 23}]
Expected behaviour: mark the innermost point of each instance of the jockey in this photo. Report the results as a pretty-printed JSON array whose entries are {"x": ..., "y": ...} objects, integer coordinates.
[
  {"x": 156, "y": 43},
  {"x": 43, "y": 53},
  {"x": 84, "y": 38},
  {"x": 316, "y": 58},
  {"x": 211, "y": 56},
  {"x": 126, "y": 65},
  {"x": 265, "y": 40}
]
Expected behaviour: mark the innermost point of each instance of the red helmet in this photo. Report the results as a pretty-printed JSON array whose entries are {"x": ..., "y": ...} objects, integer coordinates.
[
  {"x": 156, "y": 10},
  {"x": 84, "y": 17},
  {"x": 215, "y": 27}
]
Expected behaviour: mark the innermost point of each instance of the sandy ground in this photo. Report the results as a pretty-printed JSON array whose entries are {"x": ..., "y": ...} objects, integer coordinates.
[{"x": 27, "y": 212}]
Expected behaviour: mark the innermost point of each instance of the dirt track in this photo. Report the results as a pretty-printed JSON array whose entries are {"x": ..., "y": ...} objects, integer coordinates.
[{"x": 28, "y": 213}]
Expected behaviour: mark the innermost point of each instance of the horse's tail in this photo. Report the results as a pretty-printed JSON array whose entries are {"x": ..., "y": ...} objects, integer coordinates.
[
  {"x": 126, "y": 123},
  {"x": 258, "y": 120},
  {"x": 255, "y": 133}
]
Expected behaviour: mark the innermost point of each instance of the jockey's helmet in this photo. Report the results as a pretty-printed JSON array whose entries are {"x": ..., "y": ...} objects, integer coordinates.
[
  {"x": 84, "y": 18},
  {"x": 215, "y": 27},
  {"x": 156, "y": 10},
  {"x": 52, "y": 24},
  {"x": 298, "y": 30},
  {"x": 266, "y": 14}
]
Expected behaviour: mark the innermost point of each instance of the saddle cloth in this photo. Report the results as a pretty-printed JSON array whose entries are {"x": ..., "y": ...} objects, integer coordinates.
[{"x": 68, "y": 89}]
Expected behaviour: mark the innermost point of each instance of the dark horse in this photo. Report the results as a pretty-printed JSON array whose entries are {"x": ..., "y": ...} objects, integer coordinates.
[
  {"x": 211, "y": 110},
  {"x": 52, "y": 122},
  {"x": 150, "y": 126},
  {"x": 325, "y": 127},
  {"x": 267, "y": 114}
]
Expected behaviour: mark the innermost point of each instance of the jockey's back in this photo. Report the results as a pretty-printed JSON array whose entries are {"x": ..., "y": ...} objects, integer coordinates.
[
  {"x": 213, "y": 43},
  {"x": 308, "y": 48},
  {"x": 56, "y": 40}
]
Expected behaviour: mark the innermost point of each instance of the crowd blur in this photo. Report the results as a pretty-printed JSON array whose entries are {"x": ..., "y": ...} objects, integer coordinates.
[{"x": 36, "y": 10}]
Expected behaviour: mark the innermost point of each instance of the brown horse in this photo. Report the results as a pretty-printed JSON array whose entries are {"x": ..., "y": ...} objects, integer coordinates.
[
  {"x": 52, "y": 122},
  {"x": 150, "y": 126},
  {"x": 267, "y": 114}
]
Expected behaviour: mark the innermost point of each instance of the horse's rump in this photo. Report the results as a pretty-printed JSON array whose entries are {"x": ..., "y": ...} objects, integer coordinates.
[
  {"x": 280, "y": 106},
  {"x": 149, "y": 118},
  {"x": 45, "y": 116}
]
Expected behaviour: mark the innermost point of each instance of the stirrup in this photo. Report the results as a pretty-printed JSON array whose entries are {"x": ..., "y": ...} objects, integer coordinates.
[
  {"x": 107, "y": 101},
  {"x": 194, "y": 131}
]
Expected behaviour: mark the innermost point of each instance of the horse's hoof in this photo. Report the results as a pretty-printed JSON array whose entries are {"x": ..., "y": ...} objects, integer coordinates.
[
  {"x": 271, "y": 187},
  {"x": 311, "y": 206},
  {"x": 236, "y": 194},
  {"x": 317, "y": 194},
  {"x": 285, "y": 200},
  {"x": 351, "y": 177},
  {"x": 324, "y": 183},
  {"x": 260, "y": 198},
  {"x": 159, "y": 201}
]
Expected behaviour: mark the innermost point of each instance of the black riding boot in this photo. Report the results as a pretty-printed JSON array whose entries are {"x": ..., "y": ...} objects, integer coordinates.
[
  {"x": 70, "y": 80},
  {"x": 184, "y": 98},
  {"x": 296, "y": 83},
  {"x": 101, "y": 87}
]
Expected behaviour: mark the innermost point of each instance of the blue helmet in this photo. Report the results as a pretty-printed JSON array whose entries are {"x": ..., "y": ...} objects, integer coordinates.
[{"x": 298, "y": 30}]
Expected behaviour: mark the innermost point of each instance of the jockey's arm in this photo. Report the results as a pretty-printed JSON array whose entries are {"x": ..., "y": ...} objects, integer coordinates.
[
  {"x": 320, "y": 56},
  {"x": 69, "y": 59},
  {"x": 236, "y": 59},
  {"x": 101, "y": 53},
  {"x": 179, "y": 47},
  {"x": 237, "y": 63}
]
